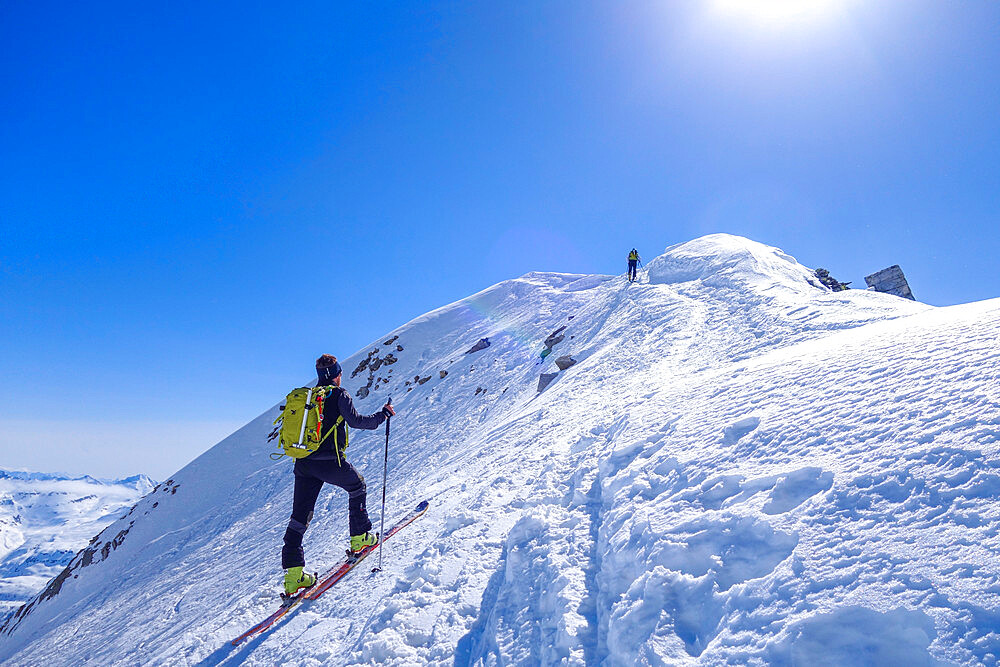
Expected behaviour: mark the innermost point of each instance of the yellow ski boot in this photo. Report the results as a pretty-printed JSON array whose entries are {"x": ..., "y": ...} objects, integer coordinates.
[
  {"x": 360, "y": 542},
  {"x": 296, "y": 579}
]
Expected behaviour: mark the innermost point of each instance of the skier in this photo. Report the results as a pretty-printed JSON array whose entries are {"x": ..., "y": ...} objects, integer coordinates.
[
  {"x": 328, "y": 465},
  {"x": 633, "y": 259}
]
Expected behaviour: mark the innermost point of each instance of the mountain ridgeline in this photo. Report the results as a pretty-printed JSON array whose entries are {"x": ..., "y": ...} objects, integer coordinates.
[{"x": 730, "y": 463}]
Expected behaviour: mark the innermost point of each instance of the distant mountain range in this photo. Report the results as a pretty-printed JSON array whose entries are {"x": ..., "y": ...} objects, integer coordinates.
[{"x": 46, "y": 518}]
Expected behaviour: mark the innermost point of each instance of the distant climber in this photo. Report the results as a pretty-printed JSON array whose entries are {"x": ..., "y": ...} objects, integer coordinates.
[
  {"x": 633, "y": 260},
  {"x": 328, "y": 465}
]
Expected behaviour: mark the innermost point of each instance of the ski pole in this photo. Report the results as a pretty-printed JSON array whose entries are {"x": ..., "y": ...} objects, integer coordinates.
[{"x": 385, "y": 477}]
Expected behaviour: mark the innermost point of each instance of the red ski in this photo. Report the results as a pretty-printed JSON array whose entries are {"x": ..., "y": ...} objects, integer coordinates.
[{"x": 331, "y": 577}]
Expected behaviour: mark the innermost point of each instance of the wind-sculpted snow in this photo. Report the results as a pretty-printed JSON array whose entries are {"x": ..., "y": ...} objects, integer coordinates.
[
  {"x": 742, "y": 468},
  {"x": 724, "y": 261}
]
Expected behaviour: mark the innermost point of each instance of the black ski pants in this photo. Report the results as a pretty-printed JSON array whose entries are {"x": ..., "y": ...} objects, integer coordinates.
[
  {"x": 631, "y": 268},
  {"x": 310, "y": 475}
]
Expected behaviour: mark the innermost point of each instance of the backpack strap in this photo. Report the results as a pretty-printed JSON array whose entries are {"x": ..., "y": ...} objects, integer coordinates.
[
  {"x": 340, "y": 418},
  {"x": 321, "y": 406},
  {"x": 278, "y": 455},
  {"x": 336, "y": 445}
]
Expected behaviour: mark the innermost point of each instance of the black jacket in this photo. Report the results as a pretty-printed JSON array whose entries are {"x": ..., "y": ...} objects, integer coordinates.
[{"x": 340, "y": 404}]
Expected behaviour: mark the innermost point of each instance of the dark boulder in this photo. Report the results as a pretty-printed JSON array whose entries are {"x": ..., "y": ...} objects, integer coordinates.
[
  {"x": 891, "y": 281},
  {"x": 565, "y": 362},
  {"x": 481, "y": 345},
  {"x": 545, "y": 379}
]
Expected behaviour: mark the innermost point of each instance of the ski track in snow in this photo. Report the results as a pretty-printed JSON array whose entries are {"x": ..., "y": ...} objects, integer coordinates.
[{"x": 740, "y": 469}]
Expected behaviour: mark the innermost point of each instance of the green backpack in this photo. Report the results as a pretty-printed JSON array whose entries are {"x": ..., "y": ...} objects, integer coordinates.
[{"x": 299, "y": 427}]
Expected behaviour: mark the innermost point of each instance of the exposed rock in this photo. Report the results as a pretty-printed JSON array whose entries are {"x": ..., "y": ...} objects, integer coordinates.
[
  {"x": 55, "y": 585},
  {"x": 443, "y": 374},
  {"x": 555, "y": 337},
  {"x": 565, "y": 362},
  {"x": 391, "y": 341},
  {"x": 481, "y": 345},
  {"x": 891, "y": 281},
  {"x": 831, "y": 282},
  {"x": 86, "y": 558},
  {"x": 372, "y": 362},
  {"x": 480, "y": 390},
  {"x": 545, "y": 379},
  {"x": 399, "y": 348},
  {"x": 362, "y": 366},
  {"x": 421, "y": 380},
  {"x": 362, "y": 393}
]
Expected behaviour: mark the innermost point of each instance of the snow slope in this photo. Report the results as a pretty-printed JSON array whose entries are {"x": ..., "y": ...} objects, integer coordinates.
[
  {"x": 45, "y": 519},
  {"x": 742, "y": 467}
]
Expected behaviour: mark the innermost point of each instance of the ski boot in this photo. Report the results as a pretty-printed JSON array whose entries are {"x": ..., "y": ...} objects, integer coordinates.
[
  {"x": 361, "y": 542},
  {"x": 296, "y": 579}
]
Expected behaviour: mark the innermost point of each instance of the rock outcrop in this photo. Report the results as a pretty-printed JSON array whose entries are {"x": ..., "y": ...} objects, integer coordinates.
[
  {"x": 824, "y": 277},
  {"x": 545, "y": 379},
  {"x": 891, "y": 281},
  {"x": 565, "y": 362},
  {"x": 481, "y": 345}
]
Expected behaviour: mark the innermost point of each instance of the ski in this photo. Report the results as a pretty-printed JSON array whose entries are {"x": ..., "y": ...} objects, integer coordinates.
[{"x": 330, "y": 577}]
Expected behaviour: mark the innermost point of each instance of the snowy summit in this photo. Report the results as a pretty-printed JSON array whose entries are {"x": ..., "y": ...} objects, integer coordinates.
[{"x": 724, "y": 462}]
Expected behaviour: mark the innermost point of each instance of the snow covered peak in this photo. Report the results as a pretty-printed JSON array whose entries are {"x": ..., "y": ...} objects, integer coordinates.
[
  {"x": 141, "y": 483},
  {"x": 719, "y": 259},
  {"x": 724, "y": 464}
]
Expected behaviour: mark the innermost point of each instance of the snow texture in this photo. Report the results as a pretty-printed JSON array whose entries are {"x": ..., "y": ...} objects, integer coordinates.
[{"x": 742, "y": 468}]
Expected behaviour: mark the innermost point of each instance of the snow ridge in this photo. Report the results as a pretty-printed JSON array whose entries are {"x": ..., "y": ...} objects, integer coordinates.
[
  {"x": 723, "y": 259},
  {"x": 741, "y": 467}
]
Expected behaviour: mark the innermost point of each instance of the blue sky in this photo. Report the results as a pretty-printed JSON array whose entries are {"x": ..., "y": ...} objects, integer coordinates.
[{"x": 198, "y": 199}]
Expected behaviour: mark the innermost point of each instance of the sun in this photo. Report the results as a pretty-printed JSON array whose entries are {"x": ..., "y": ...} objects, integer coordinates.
[{"x": 777, "y": 12}]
